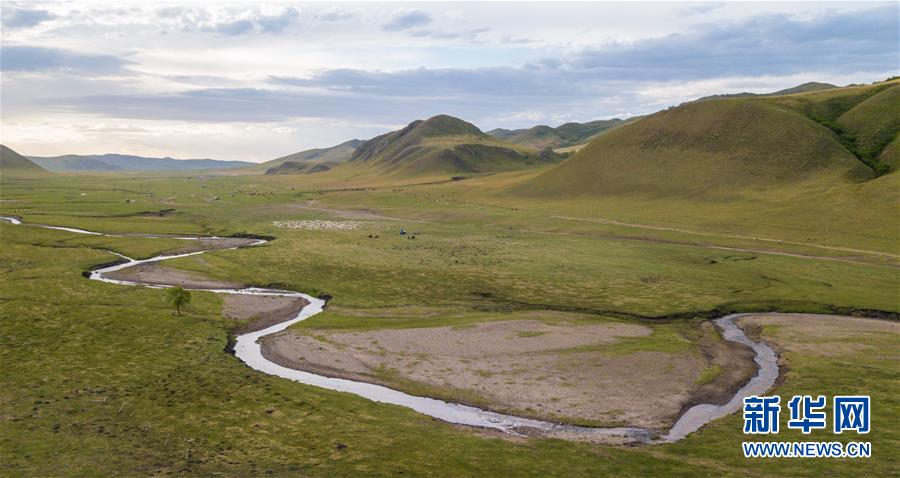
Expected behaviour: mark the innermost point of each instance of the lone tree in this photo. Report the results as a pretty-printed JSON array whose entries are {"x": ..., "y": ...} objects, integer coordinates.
[{"x": 178, "y": 297}]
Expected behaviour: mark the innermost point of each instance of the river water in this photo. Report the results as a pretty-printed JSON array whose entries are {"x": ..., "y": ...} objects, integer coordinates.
[{"x": 249, "y": 351}]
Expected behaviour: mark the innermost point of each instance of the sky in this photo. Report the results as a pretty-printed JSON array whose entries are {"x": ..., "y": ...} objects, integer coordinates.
[{"x": 255, "y": 81}]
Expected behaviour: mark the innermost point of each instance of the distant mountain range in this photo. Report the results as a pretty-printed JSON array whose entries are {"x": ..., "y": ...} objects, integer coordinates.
[
  {"x": 795, "y": 134},
  {"x": 543, "y": 136},
  {"x": 124, "y": 162},
  {"x": 445, "y": 145}
]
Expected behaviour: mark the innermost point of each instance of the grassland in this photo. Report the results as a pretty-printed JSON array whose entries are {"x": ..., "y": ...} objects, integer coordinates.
[
  {"x": 813, "y": 167},
  {"x": 101, "y": 379}
]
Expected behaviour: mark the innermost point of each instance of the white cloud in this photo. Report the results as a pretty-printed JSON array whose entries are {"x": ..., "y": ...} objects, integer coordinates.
[{"x": 244, "y": 80}]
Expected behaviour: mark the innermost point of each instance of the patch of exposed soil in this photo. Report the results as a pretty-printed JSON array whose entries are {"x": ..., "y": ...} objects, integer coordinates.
[
  {"x": 528, "y": 367},
  {"x": 153, "y": 273},
  {"x": 260, "y": 310}
]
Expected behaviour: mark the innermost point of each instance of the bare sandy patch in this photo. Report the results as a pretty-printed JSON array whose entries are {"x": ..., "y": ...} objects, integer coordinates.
[
  {"x": 261, "y": 310},
  {"x": 526, "y": 367},
  {"x": 153, "y": 273}
]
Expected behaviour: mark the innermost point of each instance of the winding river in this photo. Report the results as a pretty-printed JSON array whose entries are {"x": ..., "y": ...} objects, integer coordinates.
[{"x": 249, "y": 351}]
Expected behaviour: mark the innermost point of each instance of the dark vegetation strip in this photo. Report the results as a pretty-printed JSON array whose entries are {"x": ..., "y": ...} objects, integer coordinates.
[
  {"x": 834, "y": 109},
  {"x": 493, "y": 304}
]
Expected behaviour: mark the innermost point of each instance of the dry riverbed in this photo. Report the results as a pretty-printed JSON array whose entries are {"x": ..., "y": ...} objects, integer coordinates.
[
  {"x": 556, "y": 371},
  {"x": 260, "y": 311},
  {"x": 154, "y": 273}
]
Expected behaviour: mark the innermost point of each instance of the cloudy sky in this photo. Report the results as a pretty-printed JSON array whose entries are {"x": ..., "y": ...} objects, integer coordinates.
[{"x": 255, "y": 81}]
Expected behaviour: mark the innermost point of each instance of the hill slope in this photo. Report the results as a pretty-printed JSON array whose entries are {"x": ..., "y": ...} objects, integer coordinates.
[
  {"x": 298, "y": 167},
  {"x": 124, "y": 162},
  {"x": 13, "y": 163},
  {"x": 444, "y": 145},
  {"x": 804, "y": 88},
  {"x": 718, "y": 147},
  {"x": 542, "y": 136},
  {"x": 303, "y": 161},
  {"x": 865, "y": 118}
]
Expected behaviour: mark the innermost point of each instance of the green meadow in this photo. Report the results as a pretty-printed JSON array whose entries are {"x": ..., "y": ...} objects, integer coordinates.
[{"x": 101, "y": 379}]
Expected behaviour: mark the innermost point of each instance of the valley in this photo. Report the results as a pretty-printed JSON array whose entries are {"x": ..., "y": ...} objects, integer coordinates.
[{"x": 574, "y": 290}]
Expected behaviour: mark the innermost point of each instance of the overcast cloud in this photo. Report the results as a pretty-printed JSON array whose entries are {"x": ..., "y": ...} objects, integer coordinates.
[{"x": 255, "y": 82}]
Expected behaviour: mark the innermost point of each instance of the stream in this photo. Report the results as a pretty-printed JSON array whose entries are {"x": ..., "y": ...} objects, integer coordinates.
[{"x": 249, "y": 351}]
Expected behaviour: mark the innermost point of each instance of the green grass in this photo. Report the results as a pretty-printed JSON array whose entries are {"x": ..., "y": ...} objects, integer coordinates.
[
  {"x": 104, "y": 380},
  {"x": 806, "y": 165},
  {"x": 709, "y": 374}
]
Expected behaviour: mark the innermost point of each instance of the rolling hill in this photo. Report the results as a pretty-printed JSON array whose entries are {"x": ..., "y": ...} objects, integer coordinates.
[
  {"x": 445, "y": 145},
  {"x": 563, "y": 136},
  {"x": 13, "y": 163},
  {"x": 304, "y": 161},
  {"x": 124, "y": 162},
  {"x": 336, "y": 154},
  {"x": 865, "y": 118},
  {"x": 718, "y": 147},
  {"x": 298, "y": 167},
  {"x": 804, "y": 88}
]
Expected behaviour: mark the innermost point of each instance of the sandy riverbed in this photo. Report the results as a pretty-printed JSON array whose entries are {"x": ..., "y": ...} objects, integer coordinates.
[
  {"x": 153, "y": 273},
  {"x": 260, "y": 311},
  {"x": 523, "y": 366}
]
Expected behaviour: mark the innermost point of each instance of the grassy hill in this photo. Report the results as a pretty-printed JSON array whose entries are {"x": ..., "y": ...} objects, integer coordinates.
[
  {"x": 716, "y": 147},
  {"x": 791, "y": 167},
  {"x": 563, "y": 136},
  {"x": 13, "y": 163},
  {"x": 445, "y": 145},
  {"x": 329, "y": 156},
  {"x": 804, "y": 88},
  {"x": 299, "y": 167},
  {"x": 126, "y": 162},
  {"x": 864, "y": 118}
]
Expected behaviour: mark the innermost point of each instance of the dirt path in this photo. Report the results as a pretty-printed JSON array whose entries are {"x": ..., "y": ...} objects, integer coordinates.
[
  {"x": 711, "y": 246},
  {"x": 731, "y": 236}
]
